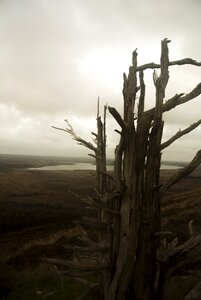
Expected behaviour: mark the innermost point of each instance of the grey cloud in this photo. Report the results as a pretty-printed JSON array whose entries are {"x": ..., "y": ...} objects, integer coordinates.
[{"x": 43, "y": 44}]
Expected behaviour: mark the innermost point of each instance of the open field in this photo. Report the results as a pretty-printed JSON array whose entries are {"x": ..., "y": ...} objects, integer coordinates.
[{"x": 37, "y": 210}]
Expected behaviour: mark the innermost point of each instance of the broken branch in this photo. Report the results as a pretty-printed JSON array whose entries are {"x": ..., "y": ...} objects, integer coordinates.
[
  {"x": 183, "y": 172},
  {"x": 117, "y": 117}
]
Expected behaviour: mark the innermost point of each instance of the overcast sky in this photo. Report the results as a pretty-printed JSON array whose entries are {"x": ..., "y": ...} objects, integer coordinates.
[{"x": 58, "y": 56}]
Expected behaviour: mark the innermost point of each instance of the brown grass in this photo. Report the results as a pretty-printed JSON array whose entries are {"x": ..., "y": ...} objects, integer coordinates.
[
  {"x": 37, "y": 210},
  {"x": 36, "y": 204}
]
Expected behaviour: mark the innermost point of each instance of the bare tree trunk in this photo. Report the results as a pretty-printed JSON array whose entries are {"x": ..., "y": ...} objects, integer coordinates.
[
  {"x": 127, "y": 260},
  {"x": 136, "y": 274}
]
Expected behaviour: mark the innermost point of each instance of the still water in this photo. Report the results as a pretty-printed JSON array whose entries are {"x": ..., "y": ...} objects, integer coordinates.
[{"x": 88, "y": 166}]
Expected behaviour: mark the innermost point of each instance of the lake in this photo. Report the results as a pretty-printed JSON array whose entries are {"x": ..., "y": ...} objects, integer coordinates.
[{"x": 89, "y": 166}]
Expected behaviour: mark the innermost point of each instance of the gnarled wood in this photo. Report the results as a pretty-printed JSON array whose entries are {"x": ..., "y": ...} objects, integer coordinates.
[{"x": 130, "y": 269}]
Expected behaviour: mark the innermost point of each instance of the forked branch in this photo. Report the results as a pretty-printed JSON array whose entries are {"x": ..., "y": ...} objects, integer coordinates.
[
  {"x": 179, "y": 134},
  {"x": 182, "y": 98},
  {"x": 178, "y": 99},
  {"x": 80, "y": 141}
]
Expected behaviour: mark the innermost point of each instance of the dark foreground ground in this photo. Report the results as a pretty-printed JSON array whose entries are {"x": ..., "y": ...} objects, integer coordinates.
[{"x": 37, "y": 214}]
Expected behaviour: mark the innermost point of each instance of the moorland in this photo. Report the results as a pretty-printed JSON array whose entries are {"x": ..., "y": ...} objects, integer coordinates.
[{"x": 38, "y": 213}]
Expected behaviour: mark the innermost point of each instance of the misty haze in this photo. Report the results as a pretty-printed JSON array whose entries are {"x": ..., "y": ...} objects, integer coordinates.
[{"x": 100, "y": 158}]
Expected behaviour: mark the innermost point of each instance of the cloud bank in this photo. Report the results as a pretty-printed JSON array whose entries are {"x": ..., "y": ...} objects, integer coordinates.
[{"x": 57, "y": 57}]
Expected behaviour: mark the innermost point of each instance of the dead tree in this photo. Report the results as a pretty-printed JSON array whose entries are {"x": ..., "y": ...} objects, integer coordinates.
[
  {"x": 98, "y": 148},
  {"x": 129, "y": 267},
  {"x": 140, "y": 154}
]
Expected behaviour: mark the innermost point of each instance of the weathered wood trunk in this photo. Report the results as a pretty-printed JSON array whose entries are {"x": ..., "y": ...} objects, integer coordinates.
[
  {"x": 140, "y": 205},
  {"x": 101, "y": 180},
  {"x": 127, "y": 261},
  {"x": 137, "y": 167}
]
